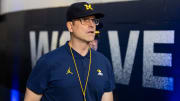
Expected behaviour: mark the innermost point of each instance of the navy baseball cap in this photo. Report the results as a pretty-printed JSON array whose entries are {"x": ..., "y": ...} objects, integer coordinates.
[{"x": 82, "y": 9}]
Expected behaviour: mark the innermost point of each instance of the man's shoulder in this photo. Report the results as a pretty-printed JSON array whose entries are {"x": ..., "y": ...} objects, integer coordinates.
[
  {"x": 54, "y": 55},
  {"x": 99, "y": 55}
]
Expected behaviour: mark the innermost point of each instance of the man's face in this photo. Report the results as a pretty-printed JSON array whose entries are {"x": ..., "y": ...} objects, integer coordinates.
[{"x": 83, "y": 29}]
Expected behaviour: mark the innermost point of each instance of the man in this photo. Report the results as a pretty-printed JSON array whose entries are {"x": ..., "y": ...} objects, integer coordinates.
[{"x": 73, "y": 72}]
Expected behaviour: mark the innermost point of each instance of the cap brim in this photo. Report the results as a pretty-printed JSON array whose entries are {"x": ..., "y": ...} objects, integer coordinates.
[{"x": 97, "y": 15}]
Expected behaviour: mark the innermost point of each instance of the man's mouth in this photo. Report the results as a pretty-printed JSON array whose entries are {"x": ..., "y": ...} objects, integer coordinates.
[{"x": 91, "y": 32}]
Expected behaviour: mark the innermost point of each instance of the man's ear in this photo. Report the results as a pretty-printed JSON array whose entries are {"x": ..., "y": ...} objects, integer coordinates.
[{"x": 69, "y": 26}]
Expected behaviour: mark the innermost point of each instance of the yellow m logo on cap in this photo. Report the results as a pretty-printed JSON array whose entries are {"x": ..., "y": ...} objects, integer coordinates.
[{"x": 88, "y": 7}]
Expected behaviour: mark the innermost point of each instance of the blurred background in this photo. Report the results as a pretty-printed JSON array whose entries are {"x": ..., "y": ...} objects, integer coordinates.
[{"x": 141, "y": 38}]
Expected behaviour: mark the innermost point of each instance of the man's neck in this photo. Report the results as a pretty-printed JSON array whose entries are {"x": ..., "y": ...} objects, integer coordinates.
[{"x": 79, "y": 46}]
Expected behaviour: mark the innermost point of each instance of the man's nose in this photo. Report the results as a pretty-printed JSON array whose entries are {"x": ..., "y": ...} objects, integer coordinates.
[{"x": 92, "y": 23}]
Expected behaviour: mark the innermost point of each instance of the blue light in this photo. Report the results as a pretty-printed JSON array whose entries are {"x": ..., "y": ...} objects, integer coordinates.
[{"x": 14, "y": 95}]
